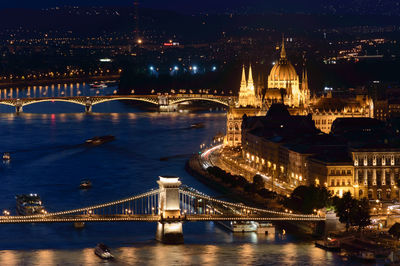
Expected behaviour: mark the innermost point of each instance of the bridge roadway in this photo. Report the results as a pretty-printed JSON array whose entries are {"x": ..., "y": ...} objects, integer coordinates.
[
  {"x": 88, "y": 101},
  {"x": 149, "y": 218},
  {"x": 169, "y": 206}
]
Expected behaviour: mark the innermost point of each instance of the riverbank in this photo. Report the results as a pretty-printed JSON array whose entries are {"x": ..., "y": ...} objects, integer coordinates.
[
  {"x": 44, "y": 82},
  {"x": 194, "y": 167}
]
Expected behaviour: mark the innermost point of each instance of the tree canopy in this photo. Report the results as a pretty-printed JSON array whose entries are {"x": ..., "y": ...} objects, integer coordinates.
[{"x": 307, "y": 198}]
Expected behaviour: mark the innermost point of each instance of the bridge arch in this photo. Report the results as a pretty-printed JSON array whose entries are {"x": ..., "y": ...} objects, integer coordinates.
[
  {"x": 181, "y": 100},
  {"x": 103, "y": 100},
  {"x": 53, "y": 100},
  {"x": 7, "y": 104}
]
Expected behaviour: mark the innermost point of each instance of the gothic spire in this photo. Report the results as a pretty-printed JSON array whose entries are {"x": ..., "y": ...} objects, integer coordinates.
[
  {"x": 283, "y": 51},
  {"x": 243, "y": 83},
  {"x": 250, "y": 83}
]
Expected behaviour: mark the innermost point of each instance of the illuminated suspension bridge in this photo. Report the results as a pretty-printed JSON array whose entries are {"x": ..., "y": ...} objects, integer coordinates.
[
  {"x": 170, "y": 205},
  {"x": 163, "y": 101}
]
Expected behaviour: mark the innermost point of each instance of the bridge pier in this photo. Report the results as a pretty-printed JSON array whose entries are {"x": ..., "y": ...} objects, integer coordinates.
[
  {"x": 88, "y": 108},
  {"x": 168, "y": 108},
  {"x": 18, "y": 109},
  {"x": 169, "y": 229}
]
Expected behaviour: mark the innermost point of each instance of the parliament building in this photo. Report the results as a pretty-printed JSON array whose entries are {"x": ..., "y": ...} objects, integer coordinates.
[{"x": 302, "y": 139}]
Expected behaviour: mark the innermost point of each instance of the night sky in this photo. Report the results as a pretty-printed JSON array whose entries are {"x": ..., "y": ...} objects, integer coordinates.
[
  {"x": 181, "y": 5},
  {"x": 307, "y": 6}
]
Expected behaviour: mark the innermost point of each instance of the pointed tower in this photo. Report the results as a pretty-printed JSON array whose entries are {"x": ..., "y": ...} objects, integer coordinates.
[
  {"x": 247, "y": 95},
  {"x": 283, "y": 50},
  {"x": 250, "y": 83},
  {"x": 305, "y": 92},
  {"x": 243, "y": 83}
]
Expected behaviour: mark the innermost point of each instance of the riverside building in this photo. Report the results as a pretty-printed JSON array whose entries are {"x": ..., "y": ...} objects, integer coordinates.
[{"x": 359, "y": 156}]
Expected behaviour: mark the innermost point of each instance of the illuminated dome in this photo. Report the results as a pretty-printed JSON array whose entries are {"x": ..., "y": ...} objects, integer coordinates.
[
  {"x": 283, "y": 71},
  {"x": 284, "y": 76}
]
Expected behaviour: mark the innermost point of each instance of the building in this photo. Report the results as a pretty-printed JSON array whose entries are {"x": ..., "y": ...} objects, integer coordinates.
[
  {"x": 334, "y": 170},
  {"x": 276, "y": 144},
  {"x": 375, "y": 154},
  {"x": 326, "y": 109},
  {"x": 360, "y": 155},
  {"x": 248, "y": 104},
  {"x": 387, "y": 109},
  {"x": 284, "y": 84}
]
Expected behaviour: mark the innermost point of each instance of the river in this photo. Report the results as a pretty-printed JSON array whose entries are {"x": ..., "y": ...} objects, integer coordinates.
[{"x": 48, "y": 158}]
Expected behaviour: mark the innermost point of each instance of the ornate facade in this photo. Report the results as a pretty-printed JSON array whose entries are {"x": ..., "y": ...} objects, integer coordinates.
[
  {"x": 326, "y": 109},
  {"x": 376, "y": 172},
  {"x": 248, "y": 104},
  {"x": 284, "y": 84}
]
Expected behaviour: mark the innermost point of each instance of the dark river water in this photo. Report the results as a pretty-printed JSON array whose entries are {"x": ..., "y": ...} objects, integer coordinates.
[{"x": 48, "y": 158}]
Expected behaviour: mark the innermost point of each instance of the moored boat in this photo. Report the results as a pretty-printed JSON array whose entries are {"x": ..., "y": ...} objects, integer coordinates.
[
  {"x": 29, "y": 204},
  {"x": 328, "y": 244},
  {"x": 364, "y": 255},
  {"x": 239, "y": 226},
  {"x": 265, "y": 228}
]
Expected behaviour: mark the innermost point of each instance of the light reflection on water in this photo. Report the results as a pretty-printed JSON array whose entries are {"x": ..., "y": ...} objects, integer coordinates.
[
  {"x": 48, "y": 158},
  {"x": 158, "y": 254}
]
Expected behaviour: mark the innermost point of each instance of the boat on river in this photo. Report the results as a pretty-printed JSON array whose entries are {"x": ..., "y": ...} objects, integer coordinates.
[
  {"x": 85, "y": 184},
  {"x": 197, "y": 125},
  {"x": 103, "y": 251},
  {"x": 6, "y": 157},
  {"x": 98, "y": 85},
  {"x": 99, "y": 140}
]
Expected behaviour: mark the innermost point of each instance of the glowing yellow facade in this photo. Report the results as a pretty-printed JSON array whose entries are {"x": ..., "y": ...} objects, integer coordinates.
[
  {"x": 283, "y": 82},
  {"x": 247, "y": 92},
  {"x": 248, "y": 104}
]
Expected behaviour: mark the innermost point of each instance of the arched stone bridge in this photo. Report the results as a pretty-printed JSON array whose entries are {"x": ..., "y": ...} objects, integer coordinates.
[{"x": 89, "y": 101}]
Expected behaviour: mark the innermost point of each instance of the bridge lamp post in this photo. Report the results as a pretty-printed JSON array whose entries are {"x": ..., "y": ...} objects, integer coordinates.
[
  {"x": 152, "y": 210},
  {"x": 90, "y": 212},
  {"x": 6, "y": 213}
]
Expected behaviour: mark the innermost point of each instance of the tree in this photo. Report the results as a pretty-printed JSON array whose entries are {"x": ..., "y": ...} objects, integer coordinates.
[
  {"x": 353, "y": 212},
  {"x": 395, "y": 230},
  {"x": 343, "y": 209},
  {"x": 360, "y": 214},
  {"x": 259, "y": 182},
  {"x": 307, "y": 198}
]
